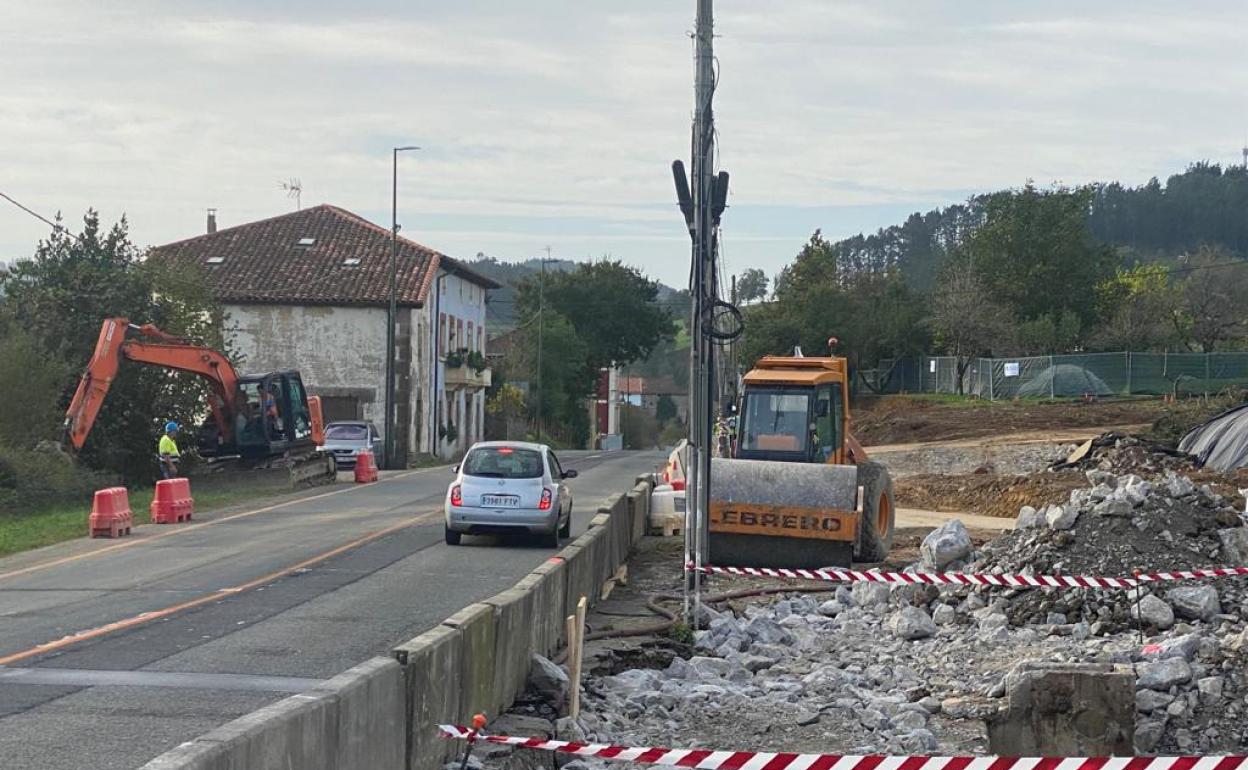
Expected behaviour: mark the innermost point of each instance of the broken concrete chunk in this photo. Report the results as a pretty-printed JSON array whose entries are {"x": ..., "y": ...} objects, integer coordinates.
[
  {"x": 912, "y": 623},
  {"x": 1028, "y": 518},
  {"x": 1149, "y": 701},
  {"x": 1154, "y": 612},
  {"x": 1234, "y": 545},
  {"x": 947, "y": 543},
  {"x": 1194, "y": 602},
  {"x": 1163, "y": 674},
  {"x": 547, "y": 679},
  {"x": 868, "y": 594},
  {"x": 1061, "y": 517}
]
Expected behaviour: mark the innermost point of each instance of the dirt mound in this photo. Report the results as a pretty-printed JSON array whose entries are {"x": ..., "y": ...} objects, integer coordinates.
[
  {"x": 900, "y": 419},
  {"x": 986, "y": 494}
]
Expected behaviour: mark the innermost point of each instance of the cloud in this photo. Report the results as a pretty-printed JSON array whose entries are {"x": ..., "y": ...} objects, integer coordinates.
[{"x": 534, "y": 115}]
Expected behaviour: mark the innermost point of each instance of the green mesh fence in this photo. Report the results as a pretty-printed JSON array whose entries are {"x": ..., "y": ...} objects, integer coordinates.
[{"x": 1100, "y": 374}]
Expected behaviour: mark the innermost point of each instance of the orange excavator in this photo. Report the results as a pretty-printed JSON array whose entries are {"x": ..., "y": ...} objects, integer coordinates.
[{"x": 255, "y": 417}]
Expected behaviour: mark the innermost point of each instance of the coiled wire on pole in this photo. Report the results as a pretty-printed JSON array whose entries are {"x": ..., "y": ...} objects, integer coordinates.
[{"x": 724, "y": 323}]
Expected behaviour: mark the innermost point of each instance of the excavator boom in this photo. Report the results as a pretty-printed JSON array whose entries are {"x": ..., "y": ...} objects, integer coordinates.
[{"x": 170, "y": 352}]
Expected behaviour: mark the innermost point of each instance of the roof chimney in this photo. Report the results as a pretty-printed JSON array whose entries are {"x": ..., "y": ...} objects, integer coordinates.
[{"x": 212, "y": 221}]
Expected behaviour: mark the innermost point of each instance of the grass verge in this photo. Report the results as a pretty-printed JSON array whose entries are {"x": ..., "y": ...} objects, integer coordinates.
[{"x": 69, "y": 521}]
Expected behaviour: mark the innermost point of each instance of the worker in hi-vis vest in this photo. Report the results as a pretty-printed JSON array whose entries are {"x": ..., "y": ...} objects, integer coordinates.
[{"x": 168, "y": 449}]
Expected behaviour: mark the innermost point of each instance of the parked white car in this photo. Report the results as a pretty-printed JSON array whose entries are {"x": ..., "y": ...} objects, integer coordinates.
[{"x": 509, "y": 487}]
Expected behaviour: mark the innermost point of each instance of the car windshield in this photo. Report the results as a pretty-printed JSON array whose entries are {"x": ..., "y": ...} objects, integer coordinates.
[
  {"x": 776, "y": 421},
  {"x": 346, "y": 433},
  {"x": 503, "y": 462}
]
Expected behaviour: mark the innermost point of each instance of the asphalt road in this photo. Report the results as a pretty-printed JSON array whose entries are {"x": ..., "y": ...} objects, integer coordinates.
[{"x": 113, "y": 651}]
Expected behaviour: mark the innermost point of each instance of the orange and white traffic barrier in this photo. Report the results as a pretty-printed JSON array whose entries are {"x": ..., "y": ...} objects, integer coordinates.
[
  {"x": 172, "y": 502},
  {"x": 110, "y": 513},
  {"x": 365, "y": 467}
]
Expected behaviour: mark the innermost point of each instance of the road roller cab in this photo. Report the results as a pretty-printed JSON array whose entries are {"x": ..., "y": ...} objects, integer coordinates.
[{"x": 799, "y": 491}]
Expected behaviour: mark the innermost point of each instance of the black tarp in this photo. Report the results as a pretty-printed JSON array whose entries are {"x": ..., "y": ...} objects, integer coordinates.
[{"x": 1220, "y": 443}]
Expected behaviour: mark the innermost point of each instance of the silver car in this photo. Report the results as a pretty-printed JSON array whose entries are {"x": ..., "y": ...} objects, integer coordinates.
[
  {"x": 505, "y": 487},
  {"x": 346, "y": 439}
]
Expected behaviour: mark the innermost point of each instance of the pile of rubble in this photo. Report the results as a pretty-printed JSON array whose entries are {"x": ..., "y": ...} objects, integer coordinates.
[{"x": 917, "y": 669}]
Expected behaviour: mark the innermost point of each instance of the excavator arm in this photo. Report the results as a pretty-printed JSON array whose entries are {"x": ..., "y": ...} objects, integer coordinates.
[{"x": 166, "y": 350}]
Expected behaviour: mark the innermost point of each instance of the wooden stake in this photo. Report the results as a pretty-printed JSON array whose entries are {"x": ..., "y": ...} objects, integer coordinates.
[{"x": 576, "y": 656}]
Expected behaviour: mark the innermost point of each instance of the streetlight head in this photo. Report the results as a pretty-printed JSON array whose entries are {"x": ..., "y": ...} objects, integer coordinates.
[{"x": 403, "y": 149}]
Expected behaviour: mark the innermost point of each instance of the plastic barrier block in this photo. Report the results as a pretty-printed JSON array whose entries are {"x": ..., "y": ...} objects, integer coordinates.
[
  {"x": 110, "y": 513},
  {"x": 172, "y": 502},
  {"x": 365, "y": 468}
]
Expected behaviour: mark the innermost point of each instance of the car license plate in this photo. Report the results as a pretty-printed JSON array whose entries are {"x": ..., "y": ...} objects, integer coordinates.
[{"x": 500, "y": 501}]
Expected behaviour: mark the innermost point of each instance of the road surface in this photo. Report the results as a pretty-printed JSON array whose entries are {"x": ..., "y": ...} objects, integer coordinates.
[{"x": 113, "y": 651}]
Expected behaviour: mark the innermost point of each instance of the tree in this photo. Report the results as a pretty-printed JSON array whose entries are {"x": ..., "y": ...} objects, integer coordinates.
[
  {"x": 665, "y": 409},
  {"x": 1140, "y": 307},
  {"x": 751, "y": 285},
  {"x": 612, "y": 307},
  {"x": 61, "y": 296},
  {"x": 966, "y": 320},
  {"x": 30, "y": 389},
  {"x": 1050, "y": 333},
  {"x": 639, "y": 428},
  {"x": 1036, "y": 255},
  {"x": 559, "y": 389},
  {"x": 1214, "y": 297}
]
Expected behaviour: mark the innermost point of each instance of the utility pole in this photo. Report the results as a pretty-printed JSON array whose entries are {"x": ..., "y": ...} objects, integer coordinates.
[
  {"x": 702, "y": 358},
  {"x": 541, "y": 309},
  {"x": 392, "y": 313}
]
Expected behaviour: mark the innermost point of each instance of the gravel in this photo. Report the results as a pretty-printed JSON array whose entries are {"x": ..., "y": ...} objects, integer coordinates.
[{"x": 915, "y": 669}]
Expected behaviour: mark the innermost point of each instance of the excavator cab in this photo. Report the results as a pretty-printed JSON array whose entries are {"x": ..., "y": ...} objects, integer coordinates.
[{"x": 272, "y": 415}]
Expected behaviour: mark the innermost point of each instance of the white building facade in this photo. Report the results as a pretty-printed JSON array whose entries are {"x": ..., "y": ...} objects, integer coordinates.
[{"x": 325, "y": 316}]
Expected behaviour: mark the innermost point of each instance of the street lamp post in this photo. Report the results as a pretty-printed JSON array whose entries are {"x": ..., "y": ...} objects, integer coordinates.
[
  {"x": 541, "y": 309},
  {"x": 392, "y": 312}
]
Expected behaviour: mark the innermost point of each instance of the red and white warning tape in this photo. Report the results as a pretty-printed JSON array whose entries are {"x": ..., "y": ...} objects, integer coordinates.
[
  {"x": 971, "y": 579},
  {"x": 705, "y": 759}
]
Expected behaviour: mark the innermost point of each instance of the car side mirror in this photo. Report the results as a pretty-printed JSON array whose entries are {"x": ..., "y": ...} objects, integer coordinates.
[
  {"x": 454, "y": 469},
  {"x": 570, "y": 474}
]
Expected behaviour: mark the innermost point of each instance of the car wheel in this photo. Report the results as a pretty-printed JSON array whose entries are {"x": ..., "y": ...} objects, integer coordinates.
[
  {"x": 551, "y": 539},
  {"x": 566, "y": 529},
  {"x": 453, "y": 537}
]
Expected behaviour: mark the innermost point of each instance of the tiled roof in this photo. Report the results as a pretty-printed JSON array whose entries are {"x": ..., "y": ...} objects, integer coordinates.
[{"x": 322, "y": 255}]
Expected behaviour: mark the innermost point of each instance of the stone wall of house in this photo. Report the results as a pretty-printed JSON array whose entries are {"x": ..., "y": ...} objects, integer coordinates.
[{"x": 339, "y": 351}]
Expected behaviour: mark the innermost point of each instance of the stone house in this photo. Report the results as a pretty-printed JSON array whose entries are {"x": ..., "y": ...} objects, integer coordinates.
[{"x": 310, "y": 291}]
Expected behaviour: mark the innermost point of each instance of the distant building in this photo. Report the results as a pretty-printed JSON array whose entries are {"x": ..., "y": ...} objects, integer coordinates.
[{"x": 310, "y": 291}]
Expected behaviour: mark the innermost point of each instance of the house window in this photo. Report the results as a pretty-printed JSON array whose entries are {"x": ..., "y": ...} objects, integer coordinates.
[
  {"x": 442, "y": 331},
  {"x": 480, "y": 340},
  {"x": 459, "y": 334},
  {"x": 469, "y": 340}
]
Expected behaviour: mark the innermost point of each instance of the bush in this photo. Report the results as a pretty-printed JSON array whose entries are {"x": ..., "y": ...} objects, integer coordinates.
[
  {"x": 1181, "y": 416},
  {"x": 31, "y": 382},
  {"x": 672, "y": 433},
  {"x": 32, "y": 480}
]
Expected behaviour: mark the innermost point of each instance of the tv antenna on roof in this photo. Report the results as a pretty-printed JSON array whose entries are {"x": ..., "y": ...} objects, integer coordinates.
[{"x": 294, "y": 189}]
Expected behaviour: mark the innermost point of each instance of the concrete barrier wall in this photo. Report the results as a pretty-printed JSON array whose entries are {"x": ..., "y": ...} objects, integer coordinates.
[
  {"x": 383, "y": 714},
  {"x": 355, "y": 720}
]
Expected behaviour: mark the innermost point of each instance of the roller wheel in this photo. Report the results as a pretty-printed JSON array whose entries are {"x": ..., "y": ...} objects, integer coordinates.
[{"x": 875, "y": 528}]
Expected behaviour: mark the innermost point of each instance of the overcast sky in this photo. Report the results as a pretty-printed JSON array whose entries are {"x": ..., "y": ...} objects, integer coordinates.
[{"x": 553, "y": 122}]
